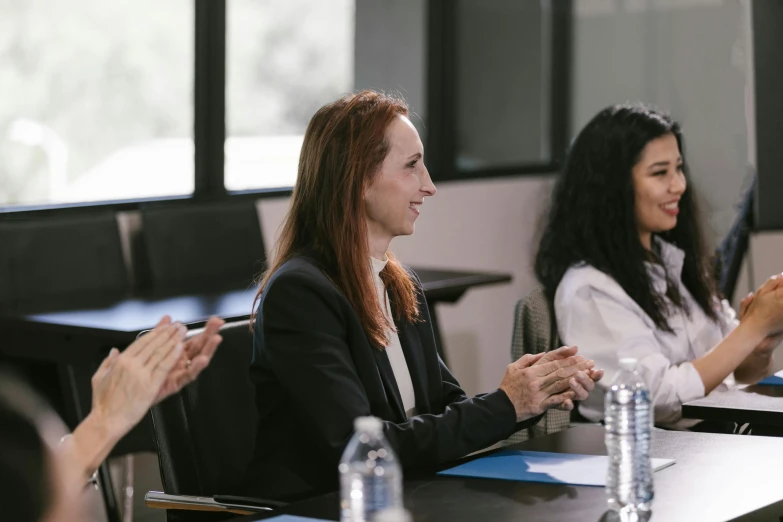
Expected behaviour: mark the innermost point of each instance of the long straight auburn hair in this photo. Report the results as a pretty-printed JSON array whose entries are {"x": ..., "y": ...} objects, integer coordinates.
[{"x": 344, "y": 147}]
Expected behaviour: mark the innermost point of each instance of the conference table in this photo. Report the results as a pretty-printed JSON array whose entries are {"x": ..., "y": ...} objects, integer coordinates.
[
  {"x": 758, "y": 404},
  {"x": 715, "y": 478}
]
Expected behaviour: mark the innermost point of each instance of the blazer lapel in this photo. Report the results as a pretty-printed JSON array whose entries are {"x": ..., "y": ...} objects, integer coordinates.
[
  {"x": 414, "y": 358},
  {"x": 389, "y": 383}
]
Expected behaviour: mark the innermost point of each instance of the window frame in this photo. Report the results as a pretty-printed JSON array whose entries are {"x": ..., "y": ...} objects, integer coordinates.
[
  {"x": 442, "y": 96},
  {"x": 209, "y": 132},
  {"x": 209, "y": 113}
]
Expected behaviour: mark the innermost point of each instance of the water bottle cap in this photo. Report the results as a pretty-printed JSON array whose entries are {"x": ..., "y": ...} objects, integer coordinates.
[
  {"x": 393, "y": 515},
  {"x": 628, "y": 364},
  {"x": 367, "y": 424}
]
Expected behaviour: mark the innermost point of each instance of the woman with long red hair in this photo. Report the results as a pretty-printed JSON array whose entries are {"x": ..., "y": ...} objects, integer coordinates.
[{"x": 342, "y": 328}]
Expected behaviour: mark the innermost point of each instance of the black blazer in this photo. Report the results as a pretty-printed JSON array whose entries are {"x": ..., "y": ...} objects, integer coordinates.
[{"x": 315, "y": 371}]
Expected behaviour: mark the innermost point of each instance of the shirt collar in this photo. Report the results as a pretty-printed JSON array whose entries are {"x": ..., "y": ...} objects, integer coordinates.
[
  {"x": 378, "y": 264},
  {"x": 672, "y": 259}
]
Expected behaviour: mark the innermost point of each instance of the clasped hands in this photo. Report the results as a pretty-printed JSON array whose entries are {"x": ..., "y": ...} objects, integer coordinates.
[
  {"x": 555, "y": 379},
  {"x": 752, "y": 302}
]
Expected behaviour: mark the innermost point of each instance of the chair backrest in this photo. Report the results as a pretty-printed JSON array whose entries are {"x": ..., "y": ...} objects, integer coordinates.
[
  {"x": 731, "y": 251},
  {"x": 535, "y": 331},
  {"x": 46, "y": 260},
  {"x": 213, "y": 246},
  {"x": 205, "y": 435}
]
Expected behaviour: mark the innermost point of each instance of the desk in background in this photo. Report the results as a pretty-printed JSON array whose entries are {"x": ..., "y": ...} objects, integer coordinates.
[
  {"x": 715, "y": 478},
  {"x": 77, "y": 336},
  {"x": 87, "y": 330},
  {"x": 757, "y": 404}
]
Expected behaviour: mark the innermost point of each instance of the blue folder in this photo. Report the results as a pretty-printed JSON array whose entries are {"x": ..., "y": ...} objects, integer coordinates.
[
  {"x": 539, "y": 466},
  {"x": 773, "y": 380}
]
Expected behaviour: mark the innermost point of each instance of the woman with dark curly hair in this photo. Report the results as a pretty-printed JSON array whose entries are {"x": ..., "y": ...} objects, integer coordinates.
[{"x": 624, "y": 261}]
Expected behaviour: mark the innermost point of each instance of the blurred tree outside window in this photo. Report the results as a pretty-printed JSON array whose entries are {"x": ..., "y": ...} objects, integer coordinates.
[
  {"x": 97, "y": 100},
  {"x": 285, "y": 59}
]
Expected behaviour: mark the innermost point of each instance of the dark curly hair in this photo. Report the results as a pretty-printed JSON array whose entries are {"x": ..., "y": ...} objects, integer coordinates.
[{"x": 592, "y": 218}]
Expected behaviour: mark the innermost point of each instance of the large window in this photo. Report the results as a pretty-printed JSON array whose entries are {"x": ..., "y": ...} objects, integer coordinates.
[
  {"x": 502, "y": 74},
  {"x": 499, "y": 86},
  {"x": 96, "y": 100},
  {"x": 122, "y": 101},
  {"x": 285, "y": 59}
]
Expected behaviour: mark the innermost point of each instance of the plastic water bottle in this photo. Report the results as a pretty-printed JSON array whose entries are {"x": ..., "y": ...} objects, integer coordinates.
[
  {"x": 370, "y": 476},
  {"x": 628, "y": 417}
]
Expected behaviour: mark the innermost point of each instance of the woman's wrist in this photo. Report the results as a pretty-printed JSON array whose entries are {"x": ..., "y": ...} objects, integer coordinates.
[
  {"x": 714, "y": 366},
  {"x": 753, "y": 331},
  {"x": 93, "y": 440}
]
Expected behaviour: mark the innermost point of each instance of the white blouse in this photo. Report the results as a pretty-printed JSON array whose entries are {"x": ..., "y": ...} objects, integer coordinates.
[
  {"x": 594, "y": 313},
  {"x": 393, "y": 347}
]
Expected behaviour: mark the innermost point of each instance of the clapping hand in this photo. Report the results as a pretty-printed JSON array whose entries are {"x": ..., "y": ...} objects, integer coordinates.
[
  {"x": 536, "y": 383},
  {"x": 196, "y": 356},
  {"x": 155, "y": 366},
  {"x": 581, "y": 384},
  {"x": 766, "y": 347}
]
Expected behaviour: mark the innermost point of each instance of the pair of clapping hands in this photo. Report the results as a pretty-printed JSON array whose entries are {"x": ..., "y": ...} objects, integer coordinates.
[
  {"x": 127, "y": 384},
  {"x": 554, "y": 379},
  {"x": 765, "y": 305}
]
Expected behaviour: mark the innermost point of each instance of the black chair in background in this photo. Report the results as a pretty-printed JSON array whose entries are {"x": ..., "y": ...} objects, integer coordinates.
[
  {"x": 52, "y": 264},
  {"x": 731, "y": 251},
  {"x": 45, "y": 262},
  {"x": 205, "y": 436},
  {"x": 199, "y": 248}
]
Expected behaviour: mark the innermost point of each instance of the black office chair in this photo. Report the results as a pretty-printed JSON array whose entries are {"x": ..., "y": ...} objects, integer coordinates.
[
  {"x": 44, "y": 262},
  {"x": 731, "y": 251},
  {"x": 51, "y": 264},
  {"x": 200, "y": 248},
  {"x": 205, "y": 436}
]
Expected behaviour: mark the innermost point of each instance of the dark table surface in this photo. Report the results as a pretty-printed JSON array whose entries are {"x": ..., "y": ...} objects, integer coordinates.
[
  {"x": 83, "y": 326},
  {"x": 715, "y": 478},
  {"x": 756, "y": 404}
]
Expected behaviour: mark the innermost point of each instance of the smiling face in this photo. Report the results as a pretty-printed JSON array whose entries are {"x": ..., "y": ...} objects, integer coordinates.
[
  {"x": 659, "y": 182},
  {"x": 394, "y": 197}
]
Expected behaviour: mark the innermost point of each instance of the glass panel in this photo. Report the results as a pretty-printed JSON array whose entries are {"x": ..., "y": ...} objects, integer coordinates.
[
  {"x": 502, "y": 62},
  {"x": 97, "y": 100},
  {"x": 285, "y": 60}
]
